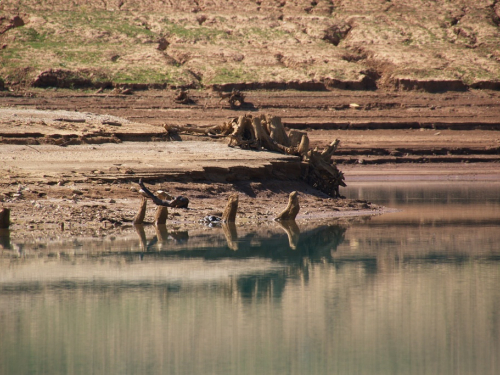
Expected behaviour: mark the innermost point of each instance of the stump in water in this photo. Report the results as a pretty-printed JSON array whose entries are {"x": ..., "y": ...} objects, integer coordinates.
[
  {"x": 161, "y": 214},
  {"x": 139, "y": 217},
  {"x": 4, "y": 218},
  {"x": 229, "y": 215},
  {"x": 293, "y": 208}
]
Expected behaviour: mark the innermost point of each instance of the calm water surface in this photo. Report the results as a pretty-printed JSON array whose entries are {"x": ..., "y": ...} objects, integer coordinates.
[{"x": 411, "y": 292}]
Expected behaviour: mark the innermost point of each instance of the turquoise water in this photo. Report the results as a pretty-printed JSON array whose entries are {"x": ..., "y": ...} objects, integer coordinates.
[{"x": 410, "y": 292}]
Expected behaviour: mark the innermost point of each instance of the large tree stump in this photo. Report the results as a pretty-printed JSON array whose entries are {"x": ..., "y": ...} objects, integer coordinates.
[
  {"x": 277, "y": 131},
  {"x": 293, "y": 208},
  {"x": 243, "y": 134},
  {"x": 269, "y": 133}
]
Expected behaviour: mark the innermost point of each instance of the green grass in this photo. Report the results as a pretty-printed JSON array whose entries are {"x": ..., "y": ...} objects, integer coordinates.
[{"x": 231, "y": 75}]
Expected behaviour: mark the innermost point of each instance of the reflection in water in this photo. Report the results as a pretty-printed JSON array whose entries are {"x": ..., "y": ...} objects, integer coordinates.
[
  {"x": 231, "y": 234},
  {"x": 4, "y": 239},
  {"x": 292, "y": 231},
  {"x": 414, "y": 292}
]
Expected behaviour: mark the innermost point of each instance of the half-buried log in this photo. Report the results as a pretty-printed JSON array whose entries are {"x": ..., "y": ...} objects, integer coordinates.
[{"x": 293, "y": 208}]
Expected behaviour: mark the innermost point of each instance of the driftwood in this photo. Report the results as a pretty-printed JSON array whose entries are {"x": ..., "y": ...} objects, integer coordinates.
[
  {"x": 233, "y": 97},
  {"x": 293, "y": 208},
  {"x": 182, "y": 97},
  {"x": 268, "y": 132},
  {"x": 177, "y": 202}
]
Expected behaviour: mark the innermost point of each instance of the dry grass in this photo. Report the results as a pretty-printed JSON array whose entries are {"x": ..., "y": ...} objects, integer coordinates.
[{"x": 417, "y": 40}]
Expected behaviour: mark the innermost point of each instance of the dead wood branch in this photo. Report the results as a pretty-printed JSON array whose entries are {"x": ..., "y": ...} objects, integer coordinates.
[
  {"x": 182, "y": 97},
  {"x": 158, "y": 201},
  {"x": 233, "y": 97}
]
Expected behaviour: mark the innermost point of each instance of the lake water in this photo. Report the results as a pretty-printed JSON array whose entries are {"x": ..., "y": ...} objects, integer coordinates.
[{"x": 410, "y": 292}]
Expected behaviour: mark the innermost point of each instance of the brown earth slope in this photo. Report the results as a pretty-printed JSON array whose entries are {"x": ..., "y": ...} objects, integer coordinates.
[{"x": 404, "y": 44}]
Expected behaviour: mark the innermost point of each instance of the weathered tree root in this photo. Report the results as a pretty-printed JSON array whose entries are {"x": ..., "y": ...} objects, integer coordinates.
[
  {"x": 235, "y": 98},
  {"x": 177, "y": 202},
  {"x": 293, "y": 208},
  {"x": 267, "y": 132},
  {"x": 182, "y": 97}
]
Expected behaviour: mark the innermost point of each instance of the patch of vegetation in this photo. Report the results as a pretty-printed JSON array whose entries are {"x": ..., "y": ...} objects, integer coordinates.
[
  {"x": 139, "y": 75},
  {"x": 194, "y": 34},
  {"x": 228, "y": 74}
]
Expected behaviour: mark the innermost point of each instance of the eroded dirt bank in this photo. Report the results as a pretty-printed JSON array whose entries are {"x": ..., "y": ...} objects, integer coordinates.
[{"x": 101, "y": 144}]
